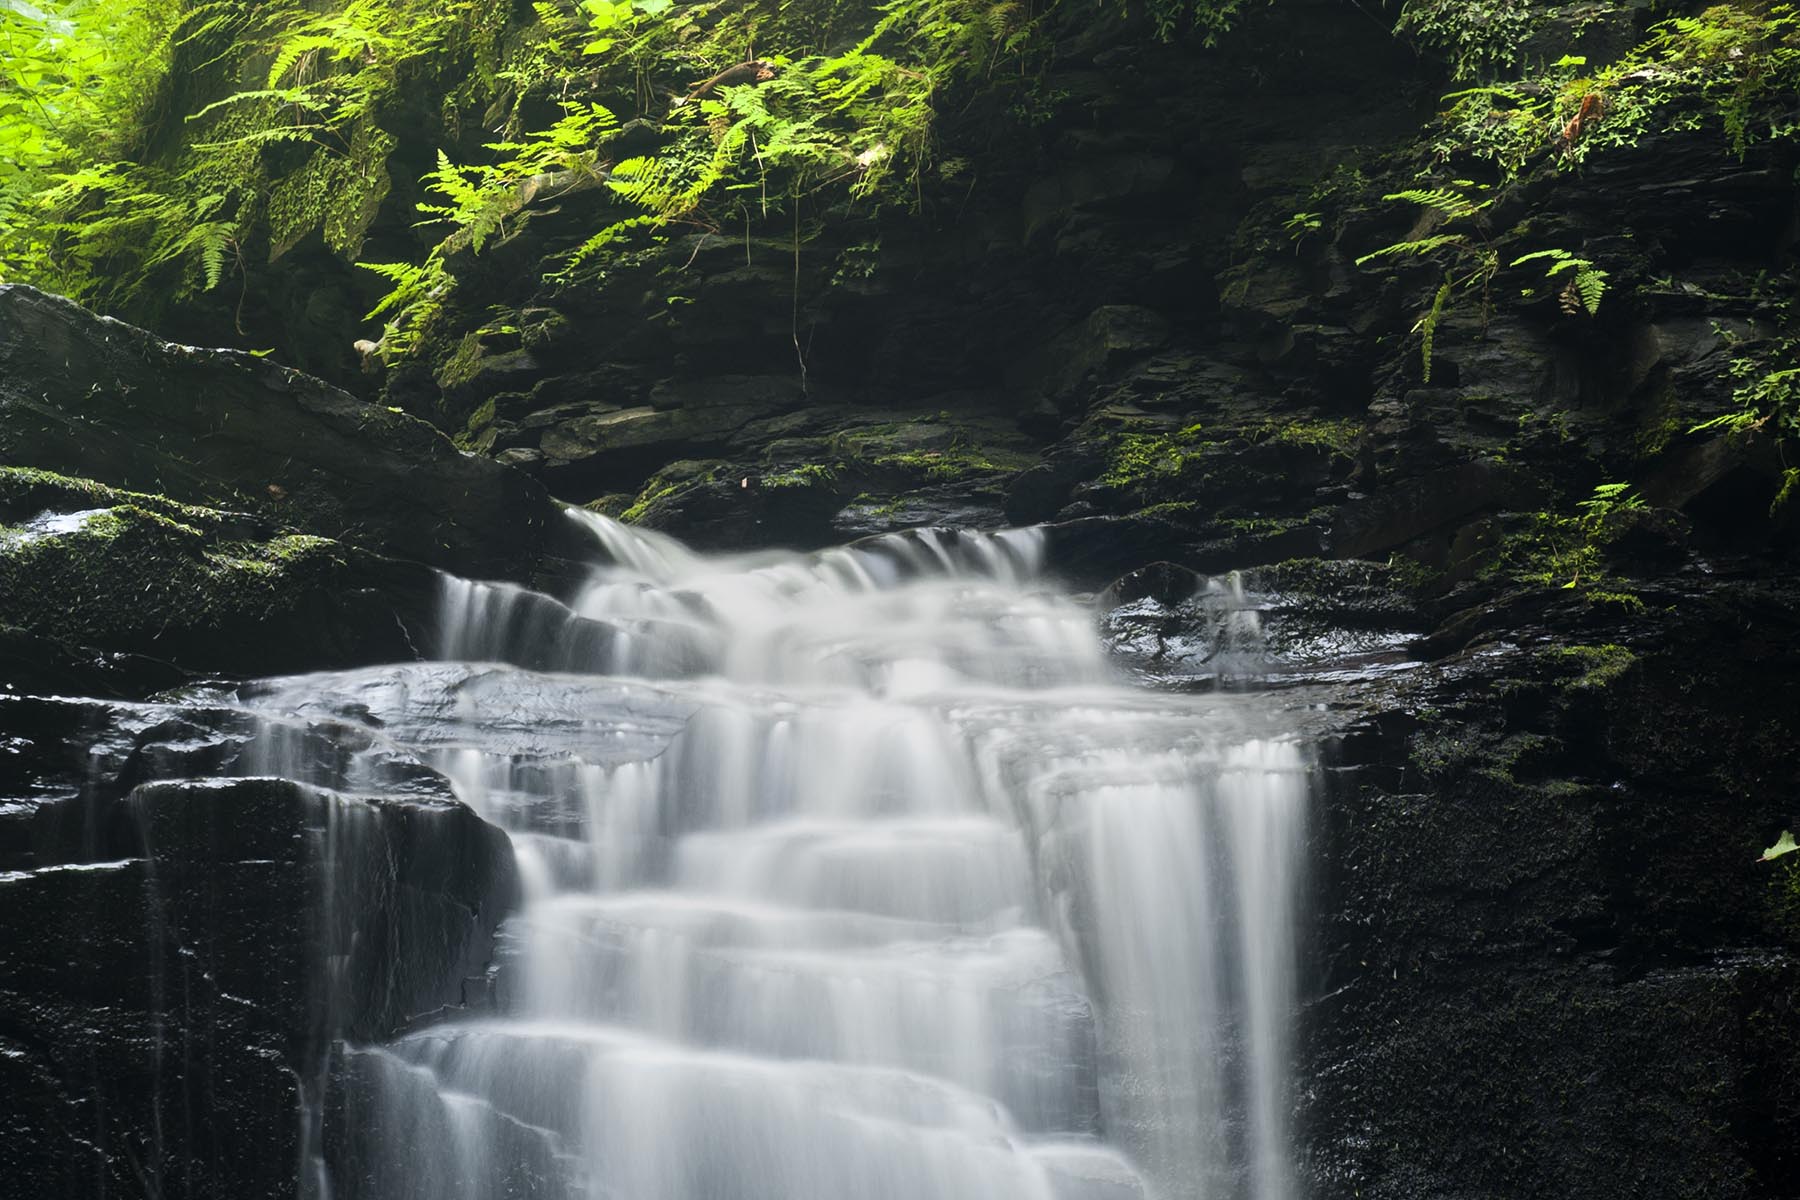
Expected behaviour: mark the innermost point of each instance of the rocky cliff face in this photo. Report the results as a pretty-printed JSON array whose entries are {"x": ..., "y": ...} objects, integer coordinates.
[{"x": 1545, "y": 960}]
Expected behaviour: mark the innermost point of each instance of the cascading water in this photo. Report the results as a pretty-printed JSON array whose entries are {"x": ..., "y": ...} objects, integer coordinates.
[{"x": 853, "y": 875}]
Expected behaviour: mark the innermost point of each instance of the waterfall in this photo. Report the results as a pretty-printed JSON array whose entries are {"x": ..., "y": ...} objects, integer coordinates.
[{"x": 848, "y": 876}]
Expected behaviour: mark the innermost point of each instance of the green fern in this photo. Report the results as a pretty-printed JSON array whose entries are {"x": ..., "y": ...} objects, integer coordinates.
[
  {"x": 1585, "y": 285},
  {"x": 1452, "y": 204},
  {"x": 1467, "y": 256},
  {"x": 1416, "y": 248},
  {"x": 1427, "y": 325}
]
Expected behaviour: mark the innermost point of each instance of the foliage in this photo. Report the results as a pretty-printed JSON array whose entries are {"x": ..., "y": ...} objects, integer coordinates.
[
  {"x": 1584, "y": 283},
  {"x": 154, "y": 150},
  {"x": 1735, "y": 63},
  {"x": 1453, "y": 235},
  {"x": 855, "y": 117},
  {"x": 1767, "y": 400},
  {"x": 1475, "y": 38},
  {"x": 72, "y": 76},
  {"x": 1558, "y": 550},
  {"x": 1607, "y": 498},
  {"x": 135, "y": 200}
]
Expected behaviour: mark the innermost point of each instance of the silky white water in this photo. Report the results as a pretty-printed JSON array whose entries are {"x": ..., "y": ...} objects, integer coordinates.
[{"x": 853, "y": 875}]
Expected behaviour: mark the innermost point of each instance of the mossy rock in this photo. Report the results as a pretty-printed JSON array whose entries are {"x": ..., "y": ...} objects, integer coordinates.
[{"x": 199, "y": 589}]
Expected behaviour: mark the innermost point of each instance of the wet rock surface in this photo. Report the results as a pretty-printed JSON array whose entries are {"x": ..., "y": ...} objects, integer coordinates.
[
  {"x": 110, "y": 592},
  {"x": 179, "y": 952},
  {"x": 95, "y": 398},
  {"x": 1548, "y": 948}
]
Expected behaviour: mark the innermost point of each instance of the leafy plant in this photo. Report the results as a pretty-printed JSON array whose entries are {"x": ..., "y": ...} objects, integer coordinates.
[
  {"x": 1465, "y": 254},
  {"x": 1736, "y": 63},
  {"x": 1608, "y": 498},
  {"x": 128, "y": 203},
  {"x": 1583, "y": 283},
  {"x": 1767, "y": 400},
  {"x": 1476, "y": 38}
]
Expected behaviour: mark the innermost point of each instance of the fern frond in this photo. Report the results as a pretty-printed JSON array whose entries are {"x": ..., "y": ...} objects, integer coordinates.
[
  {"x": 1453, "y": 205},
  {"x": 1427, "y": 326},
  {"x": 1414, "y": 248},
  {"x": 1559, "y": 256}
]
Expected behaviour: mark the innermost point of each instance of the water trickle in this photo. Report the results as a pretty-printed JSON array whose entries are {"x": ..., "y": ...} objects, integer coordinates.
[{"x": 845, "y": 875}]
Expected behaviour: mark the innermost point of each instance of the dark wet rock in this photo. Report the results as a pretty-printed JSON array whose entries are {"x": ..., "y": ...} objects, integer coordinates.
[
  {"x": 1175, "y": 626},
  {"x": 122, "y": 592},
  {"x": 1718, "y": 477},
  {"x": 689, "y": 420},
  {"x": 1101, "y": 340},
  {"x": 948, "y": 505},
  {"x": 89, "y": 396},
  {"x": 1042, "y": 491},
  {"x": 177, "y": 954},
  {"x": 717, "y": 506},
  {"x": 1645, "y": 541},
  {"x": 1433, "y": 502},
  {"x": 1301, "y": 621},
  {"x": 1549, "y": 952}
]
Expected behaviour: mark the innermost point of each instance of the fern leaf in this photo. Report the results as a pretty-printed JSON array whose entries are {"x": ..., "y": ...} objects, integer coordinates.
[
  {"x": 1453, "y": 205},
  {"x": 214, "y": 239},
  {"x": 1591, "y": 284},
  {"x": 1560, "y": 256},
  {"x": 1414, "y": 248},
  {"x": 1427, "y": 327}
]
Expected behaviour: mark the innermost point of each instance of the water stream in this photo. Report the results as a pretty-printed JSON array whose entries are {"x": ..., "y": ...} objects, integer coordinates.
[{"x": 852, "y": 876}]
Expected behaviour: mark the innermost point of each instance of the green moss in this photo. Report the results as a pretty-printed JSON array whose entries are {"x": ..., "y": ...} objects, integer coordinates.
[
  {"x": 1340, "y": 437},
  {"x": 811, "y": 475},
  {"x": 1599, "y": 666},
  {"x": 1173, "y": 509},
  {"x": 613, "y": 504},
  {"x": 676, "y": 477},
  {"x": 1548, "y": 549},
  {"x": 656, "y": 489},
  {"x": 1412, "y": 575},
  {"x": 1660, "y": 429},
  {"x": 957, "y": 462},
  {"x": 878, "y": 506},
  {"x": 28, "y": 491},
  {"x": 1134, "y": 458},
  {"x": 478, "y": 435},
  {"x": 1438, "y": 756},
  {"x": 1262, "y": 526},
  {"x": 129, "y": 575},
  {"x": 1628, "y": 603},
  {"x": 462, "y": 363}
]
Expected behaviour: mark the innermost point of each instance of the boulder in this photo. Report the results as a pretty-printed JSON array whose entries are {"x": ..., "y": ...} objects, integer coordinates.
[
  {"x": 90, "y": 396},
  {"x": 116, "y": 592}
]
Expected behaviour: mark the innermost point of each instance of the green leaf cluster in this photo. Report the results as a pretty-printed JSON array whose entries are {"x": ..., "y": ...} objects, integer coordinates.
[
  {"x": 844, "y": 110},
  {"x": 1767, "y": 400},
  {"x": 1452, "y": 233},
  {"x": 145, "y": 171},
  {"x": 1584, "y": 284},
  {"x": 1737, "y": 63}
]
